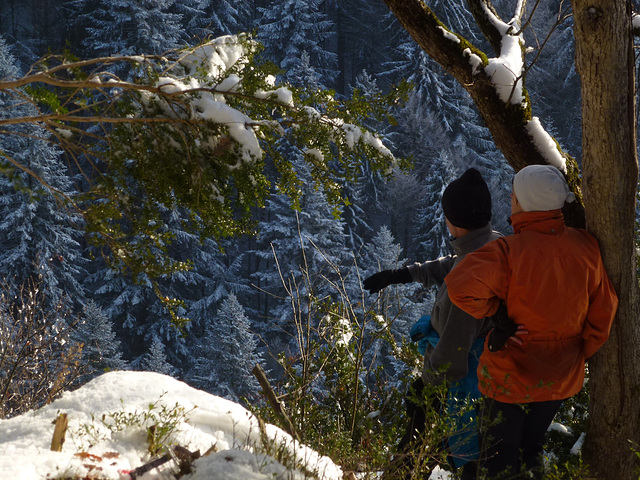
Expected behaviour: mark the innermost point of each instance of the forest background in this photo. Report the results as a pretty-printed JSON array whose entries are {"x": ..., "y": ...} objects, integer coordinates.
[{"x": 244, "y": 295}]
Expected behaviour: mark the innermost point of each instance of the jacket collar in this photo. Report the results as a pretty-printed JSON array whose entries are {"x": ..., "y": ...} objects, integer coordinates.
[
  {"x": 472, "y": 240},
  {"x": 551, "y": 222}
]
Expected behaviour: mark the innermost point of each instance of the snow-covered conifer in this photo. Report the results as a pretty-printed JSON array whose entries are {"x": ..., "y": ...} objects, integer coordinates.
[
  {"x": 294, "y": 28},
  {"x": 300, "y": 249},
  {"x": 367, "y": 210},
  {"x": 101, "y": 350},
  {"x": 361, "y": 48},
  {"x": 430, "y": 234},
  {"x": 155, "y": 359},
  {"x": 39, "y": 231},
  {"x": 397, "y": 306},
  {"x": 128, "y": 27},
  {"x": 227, "y": 354},
  {"x": 225, "y": 17}
]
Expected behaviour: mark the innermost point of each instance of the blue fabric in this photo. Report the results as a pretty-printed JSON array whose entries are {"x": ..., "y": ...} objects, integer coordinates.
[
  {"x": 464, "y": 444},
  {"x": 421, "y": 331},
  {"x": 461, "y": 397}
]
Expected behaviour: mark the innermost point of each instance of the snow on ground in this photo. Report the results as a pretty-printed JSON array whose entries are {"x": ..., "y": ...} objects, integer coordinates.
[
  {"x": 93, "y": 450},
  {"x": 200, "y": 421}
]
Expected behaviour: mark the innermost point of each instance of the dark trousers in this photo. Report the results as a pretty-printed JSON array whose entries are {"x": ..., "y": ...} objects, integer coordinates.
[
  {"x": 511, "y": 436},
  {"x": 417, "y": 405}
]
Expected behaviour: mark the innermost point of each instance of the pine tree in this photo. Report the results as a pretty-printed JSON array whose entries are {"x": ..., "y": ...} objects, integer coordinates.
[
  {"x": 403, "y": 195},
  {"x": 195, "y": 22},
  {"x": 102, "y": 350},
  {"x": 293, "y": 32},
  {"x": 227, "y": 354},
  {"x": 215, "y": 275},
  {"x": 382, "y": 253},
  {"x": 139, "y": 314},
  {"x": 440, "y": 108},
  {"x": 227, "y": 17},
  {"x": 364, "y": 32},
  {"x": 397, "y": 306},
  {"x": 127, "y": 27},
  {"x": 214, "y": 268},
  {"x": 36, "y": 26},
  {"x": 367, "y": 209},
  {"x": 430, "y": 232},
  {"x": 361, "y": 216},
  {"x": 302, "y": 252},
  {"x": 40, "y": 237},
  {"x": 417, "y": 199},
  {"x": 553, "y": 82},
  {"x": 156, "y": 361}
]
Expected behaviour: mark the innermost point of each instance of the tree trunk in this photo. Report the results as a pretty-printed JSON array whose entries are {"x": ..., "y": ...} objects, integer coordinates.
[{"x": 604, "y": 59}]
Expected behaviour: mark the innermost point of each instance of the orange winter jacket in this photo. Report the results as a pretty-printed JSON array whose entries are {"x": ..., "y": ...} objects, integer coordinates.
[{"x": 554, "y": 283}]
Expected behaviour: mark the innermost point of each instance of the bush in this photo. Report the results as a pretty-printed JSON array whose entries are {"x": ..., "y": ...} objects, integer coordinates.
[
  {"x": 344, "y": 378},
  {"x": 38, "y": 359}
]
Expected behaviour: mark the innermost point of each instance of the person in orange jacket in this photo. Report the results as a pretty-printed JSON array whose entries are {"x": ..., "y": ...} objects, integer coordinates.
[{"x": 557, "y": 291}]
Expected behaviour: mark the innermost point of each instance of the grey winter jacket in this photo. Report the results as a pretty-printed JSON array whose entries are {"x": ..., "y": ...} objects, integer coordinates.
[{"x": 458, "y": 330}]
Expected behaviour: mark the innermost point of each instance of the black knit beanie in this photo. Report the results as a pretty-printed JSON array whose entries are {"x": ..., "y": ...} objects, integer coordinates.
[{"x": 467, "y": 202}]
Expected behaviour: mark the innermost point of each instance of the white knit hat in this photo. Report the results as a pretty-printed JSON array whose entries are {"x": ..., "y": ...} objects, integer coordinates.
[{"x": 540, "y": 188}]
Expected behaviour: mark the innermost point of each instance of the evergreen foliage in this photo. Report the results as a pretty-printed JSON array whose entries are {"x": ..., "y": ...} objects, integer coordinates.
[
  {"x": 160, "y": 198},
  {"x": 129, "y": 27},
  {"x": 430, "y": 232},
  {"x": 294, "y": 32},
  {"x": 553, "y": 81},
  {"x": 227, "y": 353},
  {"x": 101, "y": 350},
  {"x": 396, "y": 308},
  {"x": 358, "y": 48},
  {"x": 40, "y": 234},
  {"x": 218, "y": 173},
  {"x": 366, "y": 209},
  {"x": 294, "y": 244},
  {"x": 226, "y": 17},
  {"x": 155, "y": 359}
]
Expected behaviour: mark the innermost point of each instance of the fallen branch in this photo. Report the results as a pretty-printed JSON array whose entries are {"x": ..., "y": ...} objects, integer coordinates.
[
  {"x": 59, "y": 432},
  {"x": 181, "y": 455},
  {"x": 287, "y": 425}
]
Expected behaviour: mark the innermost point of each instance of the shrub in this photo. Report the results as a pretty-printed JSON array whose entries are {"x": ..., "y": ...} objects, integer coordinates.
[{"x": 38, "y": 359}]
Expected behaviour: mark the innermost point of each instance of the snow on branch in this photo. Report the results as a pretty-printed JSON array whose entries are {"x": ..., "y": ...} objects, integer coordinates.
[
  {"x": 495, "y": 84},
  {"x": 506, "y": 70},
  {"x": 545, "y": 144},
  {"x": 191, "y": 129},
  {"x": 197, "y": 86}
]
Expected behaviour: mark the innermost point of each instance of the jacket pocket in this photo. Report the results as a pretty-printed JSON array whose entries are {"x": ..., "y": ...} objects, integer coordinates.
[{"x": 551, "y": 361}]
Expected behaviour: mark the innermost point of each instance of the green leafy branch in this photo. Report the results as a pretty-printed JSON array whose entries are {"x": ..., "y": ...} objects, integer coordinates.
[{"x": 205, "y": 131}]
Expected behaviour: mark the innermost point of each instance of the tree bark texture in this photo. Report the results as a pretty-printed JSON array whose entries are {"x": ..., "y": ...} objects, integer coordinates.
[{"x": 604, "y": 60}]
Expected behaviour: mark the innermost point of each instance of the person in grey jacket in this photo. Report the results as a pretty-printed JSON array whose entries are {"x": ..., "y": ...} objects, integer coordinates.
[{"x": 457, "y": 338}]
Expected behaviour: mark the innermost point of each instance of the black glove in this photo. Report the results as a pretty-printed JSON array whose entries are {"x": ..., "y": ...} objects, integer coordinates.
[
  {"x": 378, "y": 281},
  {"x": 503, "y": 328}
]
